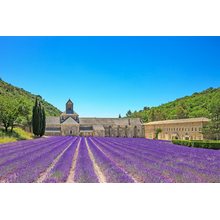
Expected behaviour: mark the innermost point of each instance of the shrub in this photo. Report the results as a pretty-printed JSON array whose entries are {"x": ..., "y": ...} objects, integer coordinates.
[{"x": 199, "y": 144}]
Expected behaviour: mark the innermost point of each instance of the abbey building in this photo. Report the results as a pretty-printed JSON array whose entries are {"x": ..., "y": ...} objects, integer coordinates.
[{"x": 69, "y": 123}]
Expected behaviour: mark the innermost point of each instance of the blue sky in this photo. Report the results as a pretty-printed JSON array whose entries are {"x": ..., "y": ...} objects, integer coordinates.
[{"x": 105, "y": 76}]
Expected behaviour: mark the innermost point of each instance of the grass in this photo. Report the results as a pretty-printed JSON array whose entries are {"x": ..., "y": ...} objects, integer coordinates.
[{"x": 17, "y": 135}]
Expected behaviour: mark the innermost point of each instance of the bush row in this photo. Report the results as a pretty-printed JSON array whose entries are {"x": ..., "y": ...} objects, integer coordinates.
[{"x": 200, "y": 144}]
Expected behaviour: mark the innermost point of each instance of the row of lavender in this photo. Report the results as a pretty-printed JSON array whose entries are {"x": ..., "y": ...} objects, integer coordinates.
[
  {"x": 172, "y": 162},
  {"x": 25, "y": 163}
]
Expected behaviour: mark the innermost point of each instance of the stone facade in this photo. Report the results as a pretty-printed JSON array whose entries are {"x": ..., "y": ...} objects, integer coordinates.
[
  {"x": 184, "y": 129},
  {"x": 69, "y": 123}
]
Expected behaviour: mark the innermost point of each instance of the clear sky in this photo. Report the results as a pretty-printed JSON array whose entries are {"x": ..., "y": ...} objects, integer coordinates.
[{"x": 105, "y": 76}]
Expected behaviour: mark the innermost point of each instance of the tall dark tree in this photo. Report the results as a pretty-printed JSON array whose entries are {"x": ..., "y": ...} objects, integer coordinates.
[
  {"x": 43, "y": 123},
  {"x": 39, "y": 119},
  {"x": 35, "y": 118},
  {"x": 119, "y": 116}
]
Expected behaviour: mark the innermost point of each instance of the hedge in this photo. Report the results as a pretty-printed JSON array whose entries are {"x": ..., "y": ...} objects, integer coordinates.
[{"x": 198, "y": 143}]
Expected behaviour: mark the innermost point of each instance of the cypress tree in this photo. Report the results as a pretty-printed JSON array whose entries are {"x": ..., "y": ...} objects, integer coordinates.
[
  {"x": 43, "y": 122},
  {"x": 39, "y": 127},
  {"x": 35, "y": 118}
]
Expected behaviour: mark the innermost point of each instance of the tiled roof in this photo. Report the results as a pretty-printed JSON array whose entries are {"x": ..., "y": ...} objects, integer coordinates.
[
  {"x": 69, "y": 121},
  {"x": 52, "y": 120},
  {"x": 135, "y": 121},
  {"x": 178, "y": 121},
  {"x": 69, "y": 112},
  {"x": 98, "y": 127},
  {"x": 104, "y": 121}
]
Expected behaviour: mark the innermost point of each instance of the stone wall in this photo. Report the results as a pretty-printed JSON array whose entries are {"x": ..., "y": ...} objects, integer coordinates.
[
  {"x": 70, "y": 130},
  {"x": 179, "y": 131}
]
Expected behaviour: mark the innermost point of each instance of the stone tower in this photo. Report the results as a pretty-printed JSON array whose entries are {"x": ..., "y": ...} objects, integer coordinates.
[{"x": 69, "y": 107}]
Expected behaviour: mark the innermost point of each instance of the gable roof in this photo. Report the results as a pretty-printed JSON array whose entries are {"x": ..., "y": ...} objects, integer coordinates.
[
  {"x": 69, "y": 121},
  {"x": 69, "y": 101},
  {"x": 69, "y": 112},
  {"x": 178, "y": 121},
  {"x": 104, "y": 121},
  {"x": 98, "y": 127},
  {"x": 52, "y": 120}
]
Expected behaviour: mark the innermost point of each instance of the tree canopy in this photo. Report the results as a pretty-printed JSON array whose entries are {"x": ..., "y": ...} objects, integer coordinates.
[{"x": 194, "y": 106}]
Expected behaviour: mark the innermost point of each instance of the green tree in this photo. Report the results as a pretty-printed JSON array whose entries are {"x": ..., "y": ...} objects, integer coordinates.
[
  {"x": 182, "y": 110},
  {"x": 213, "y": 127},
  {"x": 129, "y": 113},
  {"x": 151, "y": 115},
  {"x": 39, "y": 130},
  {"x": 35, "y": 118},
  {"x": 10, "y": 110},
  {"x": 157, "y": 132},
  {"x": 146, "y": 108},
  {"x": 119, "y": 116},
  {"x": 160, "y": 115},
  {"x": 43, "y": 123}
]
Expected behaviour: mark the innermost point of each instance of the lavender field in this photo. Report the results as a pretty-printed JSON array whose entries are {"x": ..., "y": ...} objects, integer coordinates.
[{"x": 60, "y": 159}]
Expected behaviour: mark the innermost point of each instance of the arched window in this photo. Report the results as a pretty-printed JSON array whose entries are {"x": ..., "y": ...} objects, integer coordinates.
[
  {"x": 71, "y": 132},
  {"x": 195, "y": 129},
  {"x": 192, "y": 129}
]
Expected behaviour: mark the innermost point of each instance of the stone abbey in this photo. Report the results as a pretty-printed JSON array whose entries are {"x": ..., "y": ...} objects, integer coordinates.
[{"x": 69, "y": 123}]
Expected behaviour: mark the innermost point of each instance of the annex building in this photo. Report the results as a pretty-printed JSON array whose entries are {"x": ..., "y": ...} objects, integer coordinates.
[
  {"x": 184, "y": 129},
  {"x": 69, "y": 123}
]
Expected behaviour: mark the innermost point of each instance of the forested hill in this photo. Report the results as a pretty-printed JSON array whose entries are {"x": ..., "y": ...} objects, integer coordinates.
[
  {"x": 195, "y": 106},
  {"x": 16, "y": 93}
]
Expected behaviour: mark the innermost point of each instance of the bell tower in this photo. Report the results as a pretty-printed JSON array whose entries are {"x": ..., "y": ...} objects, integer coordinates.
[{"x": 69, "y": 107}]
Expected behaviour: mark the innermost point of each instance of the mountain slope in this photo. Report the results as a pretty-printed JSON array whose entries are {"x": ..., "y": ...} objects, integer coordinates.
[
  {"x": 16, "y": 93},
  {"x": 197, "y": 105}
]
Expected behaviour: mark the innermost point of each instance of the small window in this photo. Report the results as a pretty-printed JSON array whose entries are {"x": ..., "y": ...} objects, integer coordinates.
[
  {"x": 192, "y": 129},
  {"x": 188, "y": 129},
  {"x": 182, "y": 129},
  {"x": 199, "y": 130},
  {"x": 185, "y": 129},
  {"x": 195, "y": 129},
  {"x": 174, "y": 129}
]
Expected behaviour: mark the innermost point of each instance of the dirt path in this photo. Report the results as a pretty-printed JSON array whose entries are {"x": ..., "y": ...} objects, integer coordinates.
[
  {"x": 43, "y": 175},
  {"x": 97, "y": 170},
  {"x": 118, "y": 165},
  {"x": 72, "y": 169}
]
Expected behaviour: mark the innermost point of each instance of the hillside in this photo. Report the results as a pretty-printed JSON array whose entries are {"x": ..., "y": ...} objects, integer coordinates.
[
  {"x": 196, "y": 103},
  {"x": 16, "y": 93}
]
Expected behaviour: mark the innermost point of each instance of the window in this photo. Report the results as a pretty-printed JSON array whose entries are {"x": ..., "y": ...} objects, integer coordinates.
[
  {"x": 195, "y": 129},
  {"x": 174, "y": 129},
  {"x": 169, "y": 129},
  {"x": 188, "y": 129},
  {"x": 150, "y": 136},
  {"x": 185, "y": 129},
  {"x": 192, "y": 129},
  {"x": 182, "y": 129},
  {"x": 199, "y": 130}
]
